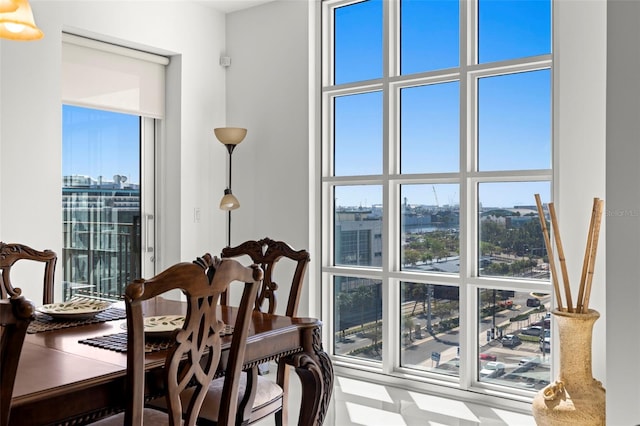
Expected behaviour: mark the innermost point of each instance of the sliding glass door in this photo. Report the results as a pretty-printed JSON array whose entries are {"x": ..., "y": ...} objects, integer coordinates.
[{"x": 107, "y": 196}]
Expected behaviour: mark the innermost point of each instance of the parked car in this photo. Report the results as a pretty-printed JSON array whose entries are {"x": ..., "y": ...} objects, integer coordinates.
[
  {"x": 511, "y": 340},
  {"x": 533, "y": 302},
  {"x": 545, "y": 341},
  {"x": 545, "y": 322},
  {"x": 488, "y": 357},
  {"x": 534, "y": 330},
  {"x": 507, "y": 304},
  {"x": 529, "y": 363},
  {"x": 492, "y": 369}
]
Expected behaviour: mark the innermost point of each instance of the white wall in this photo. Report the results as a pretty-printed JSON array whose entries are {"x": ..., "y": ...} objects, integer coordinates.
[
  {"x": 579, "y": 156},
  {"x": 623, "y": 207},
  {"x": 30, "y": 132},
  {"x": 268, "y": 93}
]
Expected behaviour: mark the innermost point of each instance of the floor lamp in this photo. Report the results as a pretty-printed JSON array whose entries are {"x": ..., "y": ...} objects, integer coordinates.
[{"x": 229, "y": 137}]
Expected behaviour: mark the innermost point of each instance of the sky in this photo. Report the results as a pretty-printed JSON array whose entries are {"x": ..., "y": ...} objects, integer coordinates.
[
  {"x": 100, "y": 143},
  {"x": 514, "y": 111}
]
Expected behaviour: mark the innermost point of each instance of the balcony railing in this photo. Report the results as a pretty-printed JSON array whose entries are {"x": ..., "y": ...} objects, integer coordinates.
[{"x": 100, "y": 258}]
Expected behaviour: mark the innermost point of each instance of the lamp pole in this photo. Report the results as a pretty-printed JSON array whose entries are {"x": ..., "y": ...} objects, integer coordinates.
[
  {"x": 230, "y": 148},
  {"x": 229, "y": 137}
]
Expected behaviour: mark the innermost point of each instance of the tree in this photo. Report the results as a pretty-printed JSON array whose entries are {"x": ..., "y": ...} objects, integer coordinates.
[
  {"x": 408, "y": 324},
  {"x": 411, "y": 256},
  {"x": 442, "y": 310},
  {"x": 362, "y": 298}
]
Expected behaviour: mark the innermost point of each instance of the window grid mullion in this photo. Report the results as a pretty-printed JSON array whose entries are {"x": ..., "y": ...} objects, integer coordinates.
[
  {"x": 388, "y": 217},
  {"x": 467, "y": 56}
]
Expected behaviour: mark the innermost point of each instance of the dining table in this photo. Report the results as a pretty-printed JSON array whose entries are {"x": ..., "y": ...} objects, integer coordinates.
[{"x": 73, "y": 372}]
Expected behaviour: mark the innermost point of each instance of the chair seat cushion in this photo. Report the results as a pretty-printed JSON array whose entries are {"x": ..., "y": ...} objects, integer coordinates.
[
  {"x": 266, "y": 391},
  {"x": 151, "y": 417}
]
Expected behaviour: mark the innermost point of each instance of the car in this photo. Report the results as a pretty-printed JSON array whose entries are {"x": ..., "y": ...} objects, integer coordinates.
[
  {"x": 545, "y": 341},
  {"x": 545, "y": 322},
  {"x": 487, "y": 357},
  {"x": 454, "y": 362},
  {"x": 492, "y": 369},
  {"x": 534, "y": 330},
  {"x": 511, "y": 340},
  {"x": 531, "y": 362},
  {"x": 533, "y": 302},
  {"x": 507, "y": 304}
]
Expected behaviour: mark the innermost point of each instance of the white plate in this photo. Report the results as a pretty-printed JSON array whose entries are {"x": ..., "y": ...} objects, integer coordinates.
[
  {"x": 160, "y": 326},
  {"x": 78, "y": 308},
  {"x": 163, "y": 324}
]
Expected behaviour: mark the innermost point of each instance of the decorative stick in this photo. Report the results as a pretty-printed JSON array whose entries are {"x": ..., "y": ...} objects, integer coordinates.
[
  {"x": 592, "y": 257},
  {"x": 587, "y": 253},
  {"x": 561, "y": 258},
  {"x": 547, "y": 243}
]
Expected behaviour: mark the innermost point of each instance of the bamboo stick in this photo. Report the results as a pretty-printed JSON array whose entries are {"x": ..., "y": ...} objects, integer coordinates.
[
  {"x": 561, "y": 258},
  {"x": 587, "y": 253},
  {"x": 547, "y": 243},
  {"x": 592, "y": 257}
]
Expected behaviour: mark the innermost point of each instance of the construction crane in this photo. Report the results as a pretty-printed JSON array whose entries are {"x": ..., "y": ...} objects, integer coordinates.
[{"x": 435, "y": 194}]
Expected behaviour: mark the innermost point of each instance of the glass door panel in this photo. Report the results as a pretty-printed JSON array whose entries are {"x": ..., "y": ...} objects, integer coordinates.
[{"x": 105, "y": 229}]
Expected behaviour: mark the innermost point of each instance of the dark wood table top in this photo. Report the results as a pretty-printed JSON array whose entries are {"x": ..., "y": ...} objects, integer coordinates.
[{"x": 57, "y": 373}]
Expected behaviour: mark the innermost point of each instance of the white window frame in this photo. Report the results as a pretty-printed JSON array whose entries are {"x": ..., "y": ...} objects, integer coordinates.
[{"x": 391, "y": 275}]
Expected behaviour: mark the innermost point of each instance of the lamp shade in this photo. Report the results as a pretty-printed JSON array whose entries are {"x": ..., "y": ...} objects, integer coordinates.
[
  {"x": 8, "y": 6},
  {"x": 230, "y": 135},
  {"x": 19, "y": 24},
  {"x": 229, "y": 201}
]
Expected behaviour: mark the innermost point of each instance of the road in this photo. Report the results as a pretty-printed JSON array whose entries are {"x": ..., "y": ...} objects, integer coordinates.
[{"x": 417, "y": 353}]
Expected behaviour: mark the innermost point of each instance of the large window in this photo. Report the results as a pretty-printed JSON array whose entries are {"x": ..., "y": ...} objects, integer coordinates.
[{"x": 437, "y": 134}]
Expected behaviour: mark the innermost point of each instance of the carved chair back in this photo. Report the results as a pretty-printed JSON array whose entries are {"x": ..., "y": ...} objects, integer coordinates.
[
  {"x": 266, "y": 253},
  {"x": 10, "y": 253},
  {"x": 195, "y": 356},
  {"x": 15, "y": 315}
]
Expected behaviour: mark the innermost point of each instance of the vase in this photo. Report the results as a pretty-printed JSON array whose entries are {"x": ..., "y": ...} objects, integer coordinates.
[{"x": 575, "y": 398}]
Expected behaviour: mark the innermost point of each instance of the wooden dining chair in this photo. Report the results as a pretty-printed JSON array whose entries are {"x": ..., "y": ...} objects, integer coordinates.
[
  {"x": 15, "y": 315},
  {"x": 10, "y": 253},
  {"x": 193, "y": 360},
  {"x": 267, "y": 253}
]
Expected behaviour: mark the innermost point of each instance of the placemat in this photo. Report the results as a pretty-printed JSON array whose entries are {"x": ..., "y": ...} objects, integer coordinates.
[
  {"x": 44, "y": 322},
  {"x": 118, "y": 342}
]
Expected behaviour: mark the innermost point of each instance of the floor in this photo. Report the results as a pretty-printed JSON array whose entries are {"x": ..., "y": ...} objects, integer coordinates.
[{"x": 358, "y": 403}]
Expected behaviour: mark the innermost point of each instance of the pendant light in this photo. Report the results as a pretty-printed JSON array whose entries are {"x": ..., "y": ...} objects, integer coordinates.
[
  {"x": 18, "y": 24},
  {"x": 8, "y": 6}
]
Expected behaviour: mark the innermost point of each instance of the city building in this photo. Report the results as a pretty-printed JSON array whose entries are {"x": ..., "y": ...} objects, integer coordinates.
[{"x": 101, "y": 223}]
